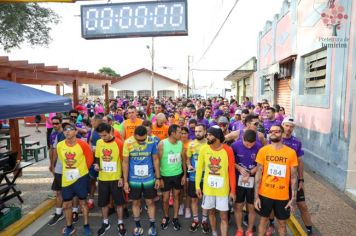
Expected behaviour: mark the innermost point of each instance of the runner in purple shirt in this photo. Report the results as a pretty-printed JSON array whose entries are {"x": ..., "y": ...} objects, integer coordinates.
[
  {"x": 294, "y": 143},
  {"x": 191, "y": 126},
  {"x": 270, "y": 121},
  {"x": 245, "y": 152}
]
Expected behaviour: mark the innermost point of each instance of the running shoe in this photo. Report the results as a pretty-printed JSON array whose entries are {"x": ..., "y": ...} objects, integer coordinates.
[
  {"x": 270, "y": 230},
  {"x": 103, "y": 229},
  {"x": 87, "y": 231},
  {"x": 56, "y": 218},
  {"x": 205, "y": 227},
  {"x": 181, "y": 210},
  {"x": 194, "y": 226},
  {"x": 152, "y": 231},
  {"x": 68, "y": 231},
  {"x": 249, "y": 233},
  {"x": 165, "y": 223},
  {"x": 138, "y": 231},
  {"x": 188, "y": 213},
  {"x": 176, "y": 225},
  {"x": 75, "y": 217},
  {"x": 239, "y": 233},
  {"x": 121, "y": 229},
  {"x": 90, "y": 205}
]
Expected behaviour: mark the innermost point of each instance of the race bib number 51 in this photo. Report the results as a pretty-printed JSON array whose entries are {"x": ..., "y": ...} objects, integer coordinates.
[
  {"x": 215, "y": 181},
  {"x": 277, "y": 170}
]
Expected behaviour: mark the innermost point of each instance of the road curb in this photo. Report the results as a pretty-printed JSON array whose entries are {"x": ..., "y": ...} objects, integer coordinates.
[
  {"x": 28, "y": 219},
  {"x": 295, "y": 227}
]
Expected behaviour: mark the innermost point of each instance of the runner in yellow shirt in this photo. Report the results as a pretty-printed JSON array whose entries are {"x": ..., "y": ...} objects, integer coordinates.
[{"x": 217, "y": 161}]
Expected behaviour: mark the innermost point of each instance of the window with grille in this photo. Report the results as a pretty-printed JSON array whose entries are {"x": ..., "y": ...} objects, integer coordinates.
[
  {"x": 144, "y": 93},
  {"x": 315, "y": 72},
  {"x": 95, "y": 90},
  {"x": 266, "y": 87},
  {"x": 125, "y": 93},
  {"x": 166, "y": 93}
]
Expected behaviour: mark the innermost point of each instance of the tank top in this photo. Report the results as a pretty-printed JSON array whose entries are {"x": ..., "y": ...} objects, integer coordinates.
[{"x": 171, "y": 162}]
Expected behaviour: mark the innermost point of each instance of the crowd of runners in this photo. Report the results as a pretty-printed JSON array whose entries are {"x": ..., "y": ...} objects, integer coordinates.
[{"x": 205, "y": 157}]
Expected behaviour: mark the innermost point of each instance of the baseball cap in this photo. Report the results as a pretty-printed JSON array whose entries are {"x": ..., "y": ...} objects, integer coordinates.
[
  {"x": 217, "y": 133},
  {"x": 238, "y": 112},
  {"x": 223, "y": 119},
  {"x": 68, "y": 124},
  {"x": 289, "y": 119}
]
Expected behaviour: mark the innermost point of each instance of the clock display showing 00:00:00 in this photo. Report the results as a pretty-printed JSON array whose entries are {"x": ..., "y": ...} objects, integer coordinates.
[{"x": 140, "y": 17}]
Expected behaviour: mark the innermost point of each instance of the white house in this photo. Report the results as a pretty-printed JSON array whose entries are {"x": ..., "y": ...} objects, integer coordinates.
[{"x": 138, "y": 83}]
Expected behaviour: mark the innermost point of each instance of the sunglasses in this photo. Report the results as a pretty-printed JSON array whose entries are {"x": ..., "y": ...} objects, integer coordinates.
[
  {"x": 68, "y": 129},
  {"x": 55, "y": 123},
  {"x": 275, "y": 132}
]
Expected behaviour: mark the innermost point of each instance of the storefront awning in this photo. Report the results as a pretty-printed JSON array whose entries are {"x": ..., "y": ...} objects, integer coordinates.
[{"x": 237, "y": 75}]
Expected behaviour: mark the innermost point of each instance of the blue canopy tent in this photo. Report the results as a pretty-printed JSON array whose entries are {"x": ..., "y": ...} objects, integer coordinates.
[{"x": 17, "y": 101}]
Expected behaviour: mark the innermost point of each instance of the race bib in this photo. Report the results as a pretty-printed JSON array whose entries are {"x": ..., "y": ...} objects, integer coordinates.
[
  {"x": 109, "y": 166},
  {"x": 248, "y": 184},
  {"x": 277, "y": 170},
  {"x": 215, "y": 181},
  {"x": 72, "y": 174},
  {"x": 141, "y": 170},
  {"x": 174, "y": 158}
]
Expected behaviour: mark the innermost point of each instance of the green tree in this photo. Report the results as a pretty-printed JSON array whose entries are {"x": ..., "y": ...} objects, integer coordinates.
[
  {"x": 25, "y": 22},
  {"x": 108, "y": 71}
]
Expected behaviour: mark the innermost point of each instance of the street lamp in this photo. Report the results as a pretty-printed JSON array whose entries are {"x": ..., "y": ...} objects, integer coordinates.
[{"x": 152, "y": 54}]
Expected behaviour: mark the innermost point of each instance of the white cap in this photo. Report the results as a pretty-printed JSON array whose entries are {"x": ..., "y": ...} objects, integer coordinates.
[
  {"x": 289, "y": 119},
  {"x": 238, "y": 112}
]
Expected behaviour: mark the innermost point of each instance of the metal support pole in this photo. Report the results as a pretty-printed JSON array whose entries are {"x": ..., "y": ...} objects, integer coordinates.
[{"x": 152, "y": 68}]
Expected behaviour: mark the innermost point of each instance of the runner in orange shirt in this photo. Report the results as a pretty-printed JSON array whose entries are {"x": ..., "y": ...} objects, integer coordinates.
[
  {"x": 131, "y": 123},
  {"x": 159, "y": 128},
  {"x": 276, "y": 170}
]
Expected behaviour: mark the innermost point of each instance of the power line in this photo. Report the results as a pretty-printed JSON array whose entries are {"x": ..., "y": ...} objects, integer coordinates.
[{"x": 218, "y": 32}]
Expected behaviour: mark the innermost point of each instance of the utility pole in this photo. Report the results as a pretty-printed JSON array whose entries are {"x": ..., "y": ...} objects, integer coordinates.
[
  {"x": 152, "y": 54},
  {"x": 188, "y": 76}
]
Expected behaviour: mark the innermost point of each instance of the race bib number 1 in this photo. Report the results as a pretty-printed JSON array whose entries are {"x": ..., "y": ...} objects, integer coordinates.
[
  {"x": 141, "y": 170},
  {"x": 109, "y": 166},
  {"x": 248, "y": 184},
  {"x": 215, "y": 181},
  {"x": 72, "y": 174},
  {"x": 174, "y": 158},
  {"x": 277, "y": 170}
]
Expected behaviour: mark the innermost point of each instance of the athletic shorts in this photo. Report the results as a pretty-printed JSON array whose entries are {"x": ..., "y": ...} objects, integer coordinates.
[
  {"x": 146, "y": 189},
  {"x": 93, "y": 173},
  {"x": 57, "y": 182},
  {"x": 278, "y": 206},
  {"x": 171, "y": 182},
  {"x": 217, "y": 202},
  {"x": 79, "y": 188},
  {"x": 107, "y": 189},
  {"x": 244, "y": 194},
  {"x": 191, "y": 189}
]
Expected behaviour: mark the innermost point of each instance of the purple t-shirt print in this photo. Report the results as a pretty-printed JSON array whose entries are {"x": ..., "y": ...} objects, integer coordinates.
[
  {"x": 244, "y": 156},
  {"x": 295, "y": 144}
]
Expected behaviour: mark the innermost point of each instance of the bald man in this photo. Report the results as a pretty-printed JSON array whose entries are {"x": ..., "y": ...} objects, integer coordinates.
[{"x": 159, "y": 128}]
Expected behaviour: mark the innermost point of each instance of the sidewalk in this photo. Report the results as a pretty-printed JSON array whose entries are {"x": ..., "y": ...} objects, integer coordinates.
[
  {"x": 332, "y": 212},
  {"x": 36, "y": 180}
]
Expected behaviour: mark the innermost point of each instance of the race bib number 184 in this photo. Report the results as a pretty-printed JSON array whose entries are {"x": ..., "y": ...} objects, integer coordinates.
[{"x": 277, "y": 170}]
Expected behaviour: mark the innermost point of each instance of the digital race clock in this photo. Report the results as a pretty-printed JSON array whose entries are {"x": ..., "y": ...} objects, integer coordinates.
[{"x": 134, "y": 19}]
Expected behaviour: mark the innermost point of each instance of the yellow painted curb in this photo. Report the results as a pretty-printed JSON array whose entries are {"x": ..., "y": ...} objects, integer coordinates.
[
  {"x": 26, "y": 220},
  {"x": 294, "y": 226}
]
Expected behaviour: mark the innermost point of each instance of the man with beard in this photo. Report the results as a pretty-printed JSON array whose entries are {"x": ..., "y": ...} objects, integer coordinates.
[
  {"x": 217, "y": 162},
  {"x": 192, "y": 158},
  {"x": 160, "y": 129},
  {"x": 276, "y": 170},
  {"x": 270, "y": 121}
]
